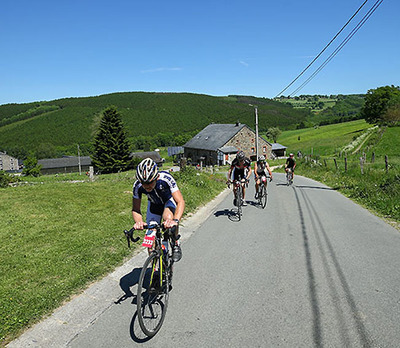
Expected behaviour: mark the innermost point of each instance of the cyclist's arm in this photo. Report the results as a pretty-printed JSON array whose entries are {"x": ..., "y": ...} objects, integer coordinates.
[
  {"x": 180, "y": 207},
  {"x": 269, "y": 170},
  {"x": 230, "y": 173},
  {"x": 249, "y": 173},
  {"x": 255, "y": 170},
  {"x": 137, "y": 214}
]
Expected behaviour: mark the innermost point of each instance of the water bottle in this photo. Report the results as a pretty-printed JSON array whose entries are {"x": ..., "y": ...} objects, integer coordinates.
[{"x": 165, "y": 246}]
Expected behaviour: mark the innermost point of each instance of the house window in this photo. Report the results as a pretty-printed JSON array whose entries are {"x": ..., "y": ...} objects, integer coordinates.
[
  {"x": 264, "y": 149},
  {"x": 253, "y": 150}
]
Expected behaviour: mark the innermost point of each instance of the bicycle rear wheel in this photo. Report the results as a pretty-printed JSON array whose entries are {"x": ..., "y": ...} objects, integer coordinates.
[
  {"x": 152, "y": 295},
  {"x": 264, "y": 196}
]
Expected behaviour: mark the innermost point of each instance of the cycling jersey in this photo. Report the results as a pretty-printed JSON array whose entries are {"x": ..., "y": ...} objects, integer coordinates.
[
  {"x": 290, "y": 162},
  {"x": 261, "y": 167},
  {"x": 160, "y": 197},
  {"x": 237, "y": 170}
]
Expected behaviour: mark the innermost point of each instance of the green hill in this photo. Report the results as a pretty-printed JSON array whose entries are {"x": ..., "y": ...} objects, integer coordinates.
[{"x": 66, "y": 122}]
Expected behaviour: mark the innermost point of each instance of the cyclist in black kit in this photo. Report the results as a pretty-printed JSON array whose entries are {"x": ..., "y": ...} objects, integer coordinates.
[
  {"x": 241, "y": 166},
  {"x": 290, "y": 164},
  {"x": 165, "y": 200}
]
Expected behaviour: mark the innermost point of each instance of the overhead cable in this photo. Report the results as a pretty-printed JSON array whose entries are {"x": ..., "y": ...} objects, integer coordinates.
[
  {"x": 323, "y": 50},
  {"x": 342, "y": 44}
]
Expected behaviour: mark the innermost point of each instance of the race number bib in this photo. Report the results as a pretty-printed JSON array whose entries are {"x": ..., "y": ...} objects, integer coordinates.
[{"x": 149, "y": 238}]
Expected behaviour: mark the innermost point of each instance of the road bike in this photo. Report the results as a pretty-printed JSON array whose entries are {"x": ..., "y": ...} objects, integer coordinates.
[
  {"x": 155, "y": 280},
  {"x": 238, "y": 189},
  {"x": 262, "y": 193},
  {"x": 289, "y": 177}
]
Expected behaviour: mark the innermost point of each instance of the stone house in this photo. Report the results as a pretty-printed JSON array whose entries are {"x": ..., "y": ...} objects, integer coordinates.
[
  {"x": 8, "y": 163},
  {"x": 219, "y": 143}
]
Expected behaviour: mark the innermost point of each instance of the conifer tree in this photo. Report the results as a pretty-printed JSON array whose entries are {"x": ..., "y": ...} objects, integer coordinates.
[{"x": 111, "y": 147}]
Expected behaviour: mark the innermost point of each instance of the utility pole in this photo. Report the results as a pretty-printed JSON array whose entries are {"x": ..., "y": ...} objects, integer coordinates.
[
  {"x": 79, "y": 161},
  {"x": 255, "y": 109}
]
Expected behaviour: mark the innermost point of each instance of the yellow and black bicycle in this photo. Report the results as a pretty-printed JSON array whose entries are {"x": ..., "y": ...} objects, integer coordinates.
[{"x": 155, "y": 281}]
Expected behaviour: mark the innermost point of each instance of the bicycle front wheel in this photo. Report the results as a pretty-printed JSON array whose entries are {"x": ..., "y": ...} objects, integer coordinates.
[
  {"x": 264, "y": 197},
  {"x": 152, "y": 295}
]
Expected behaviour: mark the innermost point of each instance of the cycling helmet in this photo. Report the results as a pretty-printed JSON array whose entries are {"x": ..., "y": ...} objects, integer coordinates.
[
  {"x": 261, "y": 158},
  {"x": 291, "y": 155},
  {"x": 240, "y": 156},
  {"x": 146, "y": 171}
]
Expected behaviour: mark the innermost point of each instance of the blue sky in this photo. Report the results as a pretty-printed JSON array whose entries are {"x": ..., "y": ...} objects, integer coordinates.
[{"x": 74, "y": 48}]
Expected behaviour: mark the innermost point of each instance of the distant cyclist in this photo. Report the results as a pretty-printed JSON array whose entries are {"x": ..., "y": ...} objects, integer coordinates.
[
  {"x": 165, "y": 200},
  {"x": 241, "y": 167},
  {"x": 261, "y": 168},
  {"x": 290, "y": 164}
]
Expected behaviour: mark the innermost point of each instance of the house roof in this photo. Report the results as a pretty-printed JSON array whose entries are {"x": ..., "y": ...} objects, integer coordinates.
[
  {"x": 277, "y": 146},
  {"x": 214, "y": 136},
  {"x": 154, "y": 155},
  {"x": 64, "y": 162}
]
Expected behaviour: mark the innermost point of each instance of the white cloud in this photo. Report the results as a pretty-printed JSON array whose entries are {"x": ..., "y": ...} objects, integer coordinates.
[
  {"x": 243, "y": 63},
  {"x": 159, "y": 69}
]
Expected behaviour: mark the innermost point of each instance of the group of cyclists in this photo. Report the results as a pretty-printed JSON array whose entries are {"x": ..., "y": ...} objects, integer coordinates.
[
  {"x": 165, "y": 200},
  {"x": 241, "y": 170}
]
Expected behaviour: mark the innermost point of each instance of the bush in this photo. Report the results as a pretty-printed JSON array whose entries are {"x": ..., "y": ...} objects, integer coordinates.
[{"x": 5, "y": 179}]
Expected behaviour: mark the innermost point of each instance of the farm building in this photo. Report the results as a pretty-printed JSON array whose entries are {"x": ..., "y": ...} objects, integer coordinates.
[{"x": 219, "y": 143}]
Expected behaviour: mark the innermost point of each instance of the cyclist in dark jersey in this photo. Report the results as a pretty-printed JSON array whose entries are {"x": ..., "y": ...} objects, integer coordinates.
[
  {"x": 290, "y": 164},
  {"x": 165, "y": 200},
  {"x": 261, "y": 167},
  {"x": 240, "y": 167}
]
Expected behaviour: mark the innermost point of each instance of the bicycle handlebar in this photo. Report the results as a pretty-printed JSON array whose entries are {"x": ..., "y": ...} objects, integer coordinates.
[{"x": 129, "y": 234}]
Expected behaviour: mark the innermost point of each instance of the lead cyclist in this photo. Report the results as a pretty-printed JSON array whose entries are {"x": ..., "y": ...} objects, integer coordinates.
[{"x": 165, "y": 200}]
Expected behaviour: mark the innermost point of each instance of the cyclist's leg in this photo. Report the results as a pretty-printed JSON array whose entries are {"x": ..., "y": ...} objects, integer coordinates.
[
  {"x": 153, "y": 215},
  {"x": 168, "y": 214}
]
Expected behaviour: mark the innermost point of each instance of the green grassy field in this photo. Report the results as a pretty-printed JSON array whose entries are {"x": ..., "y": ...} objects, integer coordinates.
[
  {"x": 59, "y": 234},
  {"x": 324, "y": 140}
]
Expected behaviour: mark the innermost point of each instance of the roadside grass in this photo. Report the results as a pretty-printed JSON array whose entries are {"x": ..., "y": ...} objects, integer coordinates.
[
  {"x": 375, "y": 189},
  {"x": 60, "y": 234}
]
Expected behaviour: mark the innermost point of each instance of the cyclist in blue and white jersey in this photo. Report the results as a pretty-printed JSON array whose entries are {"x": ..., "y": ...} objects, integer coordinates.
[{"x": 165, "y": 200}]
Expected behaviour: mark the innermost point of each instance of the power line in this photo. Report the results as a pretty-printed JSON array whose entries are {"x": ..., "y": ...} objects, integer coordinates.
[
  {"x": 342, "y": 44},
  {"x": 291, "y": 83}
]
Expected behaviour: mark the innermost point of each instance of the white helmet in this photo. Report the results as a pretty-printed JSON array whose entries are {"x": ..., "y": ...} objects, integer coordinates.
[
  {"x": 261, "y": 158},
  {"x": 146, "y": 171}
]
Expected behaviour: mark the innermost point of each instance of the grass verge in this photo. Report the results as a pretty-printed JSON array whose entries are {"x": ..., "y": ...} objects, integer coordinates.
[{"x": 60, "y": 233}]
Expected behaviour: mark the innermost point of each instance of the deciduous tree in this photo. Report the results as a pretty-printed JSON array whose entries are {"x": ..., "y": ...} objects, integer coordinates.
[{"x": 378, "y": 102}]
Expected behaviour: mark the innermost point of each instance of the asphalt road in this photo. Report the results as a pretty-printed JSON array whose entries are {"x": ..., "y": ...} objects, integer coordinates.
[{"x": 313, "y": 269}]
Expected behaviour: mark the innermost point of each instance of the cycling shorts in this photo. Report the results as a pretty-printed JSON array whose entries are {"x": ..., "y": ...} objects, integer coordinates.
[{"x": 155, "y": 211}]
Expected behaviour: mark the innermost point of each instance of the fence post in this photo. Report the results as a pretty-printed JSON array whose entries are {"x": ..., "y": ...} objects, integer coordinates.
[
  {"x": 373, "y": 158},
  {"x": 362, "y": 165},
  {"x": 386, "y": 163},
  {"x": 91, "y": 173},
  {"x": 345, "y": 164},
  {"x": 335, "y": 163}
]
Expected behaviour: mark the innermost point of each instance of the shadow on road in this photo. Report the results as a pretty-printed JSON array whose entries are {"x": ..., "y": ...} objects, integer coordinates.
[
  {"x": 230, "y": 213},
  {"x": 126, "y": 282},
  {"x": 136, "y": 333},
  {"x": 316, "y": 187},
  {"x": 328, "y": 257}
]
